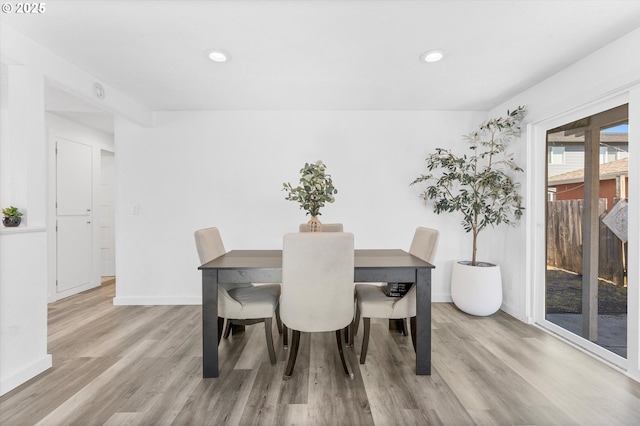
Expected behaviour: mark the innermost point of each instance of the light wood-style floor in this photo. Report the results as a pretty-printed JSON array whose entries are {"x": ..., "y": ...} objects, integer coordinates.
[{"x": 136, "y": 365}]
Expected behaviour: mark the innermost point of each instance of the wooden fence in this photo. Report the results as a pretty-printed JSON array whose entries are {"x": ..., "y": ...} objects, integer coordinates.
[{"x": 564, "y": 240}]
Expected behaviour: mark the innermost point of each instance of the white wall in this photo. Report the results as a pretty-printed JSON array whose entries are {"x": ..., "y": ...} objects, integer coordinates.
[
  {"x": 23, "y": 262},
  {"x": 23, "y": 308},
  {"x": 226, "y": 169},
  {"x": 61, "y": 128}
]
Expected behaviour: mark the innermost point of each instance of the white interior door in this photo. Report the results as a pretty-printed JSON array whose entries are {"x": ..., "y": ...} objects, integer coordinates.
[
  {"x": 74, "y": 171},
  {"x": 107, "y": 212}
]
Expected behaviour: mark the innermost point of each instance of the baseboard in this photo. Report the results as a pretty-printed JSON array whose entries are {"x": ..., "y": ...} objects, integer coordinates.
[
  {"x": 513, "y": 312},
  {"x": 12, "y": 382},
  {"x": 147, "y": 301},
  {"x": 634, "y": 374},
  {"x": 441, "y": 298},
  {"x": 72, "y": 292}
]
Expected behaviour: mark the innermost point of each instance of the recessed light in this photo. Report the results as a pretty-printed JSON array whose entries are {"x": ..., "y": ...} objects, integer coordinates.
[
  {"x": 218, "y": 55},
  {"x": 432, "y": 56}
]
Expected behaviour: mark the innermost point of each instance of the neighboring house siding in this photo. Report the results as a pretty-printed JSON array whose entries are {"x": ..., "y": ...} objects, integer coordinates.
[
  {"x": 616, "y": 145},
  {"x": 570, "y": 191},
  {"x": 608, "y": 191},
  {"x": 575, "y": 191},
  {"x": 574, "y": 158}
]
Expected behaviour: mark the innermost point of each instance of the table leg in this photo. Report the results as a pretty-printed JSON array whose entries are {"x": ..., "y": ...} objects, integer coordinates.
[
  {"x": 209, "y": 323},
  {"x": 423, "y": 320}
]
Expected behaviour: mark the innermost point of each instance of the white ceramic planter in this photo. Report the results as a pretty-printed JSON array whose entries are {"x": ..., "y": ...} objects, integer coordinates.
[{"x": 476, "y": 290}]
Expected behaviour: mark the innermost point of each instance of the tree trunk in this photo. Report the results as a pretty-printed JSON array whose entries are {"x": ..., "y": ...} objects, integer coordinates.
[{"x": 475, "y": 246}]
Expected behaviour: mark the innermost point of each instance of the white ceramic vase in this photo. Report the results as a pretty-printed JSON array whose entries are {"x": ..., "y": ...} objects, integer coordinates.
[{"x": 476, "y": 290}]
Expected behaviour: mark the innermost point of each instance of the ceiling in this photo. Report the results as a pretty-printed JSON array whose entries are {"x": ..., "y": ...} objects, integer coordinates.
[{"x": 322, "y": 54}]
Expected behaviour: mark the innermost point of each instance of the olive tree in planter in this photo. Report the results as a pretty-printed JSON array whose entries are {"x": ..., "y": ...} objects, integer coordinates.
[
  {"x": 478, "y": 185},
  {"x": 315, "y": 189}
]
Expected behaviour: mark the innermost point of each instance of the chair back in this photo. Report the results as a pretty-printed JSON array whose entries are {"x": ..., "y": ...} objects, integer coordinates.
[
  {"x": 317, "y": 281},
  {"x": 209, "y": 244},
  {"x": 424, "y": 244},
  {"x": 326, "y": 227}
]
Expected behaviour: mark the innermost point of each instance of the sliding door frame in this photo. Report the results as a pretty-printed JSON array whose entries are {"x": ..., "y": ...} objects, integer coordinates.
[{"x": 536, "y": 222}]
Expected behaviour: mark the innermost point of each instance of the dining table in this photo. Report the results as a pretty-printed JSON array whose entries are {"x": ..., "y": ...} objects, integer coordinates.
[{"x": 265, "y": 266}]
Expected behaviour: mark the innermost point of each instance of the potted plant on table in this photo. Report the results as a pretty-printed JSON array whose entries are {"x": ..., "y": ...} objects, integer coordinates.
[
  {"x": 315, "y": 189},
  {"x": 479, "y": 186},
  {"x": 12, "y": 216}
]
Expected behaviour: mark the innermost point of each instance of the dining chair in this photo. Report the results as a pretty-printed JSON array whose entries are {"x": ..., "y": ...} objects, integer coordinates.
[
  {"x": 317, "y": 288},
  {"x": 372, "y": 302},
  {"x": 240, "y": 304},
  {"x": 326, "y": 227}
]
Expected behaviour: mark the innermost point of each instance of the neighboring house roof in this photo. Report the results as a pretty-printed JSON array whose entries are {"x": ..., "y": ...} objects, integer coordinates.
[{"x": 609, "y": 170}]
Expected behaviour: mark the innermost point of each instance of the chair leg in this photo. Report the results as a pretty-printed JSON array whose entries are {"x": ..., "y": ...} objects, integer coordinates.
[
  {"x": 356, "y": 321},
  {"x": 227, "y": 329},
  {"x": 402, "y": 325},
  {"x": 413, "y": 332},
  {"x": 347, "y": 334},
  {"x": 278, "y": 320},
  {"x": 293, "y": 353},
  {"x": 220, "y": 328},
  {"x": 285, "y": 337},
  {"x": 345, "y": 364},
  {"x": 267, "y": 331},
  {"x": 365, "y": 339}
]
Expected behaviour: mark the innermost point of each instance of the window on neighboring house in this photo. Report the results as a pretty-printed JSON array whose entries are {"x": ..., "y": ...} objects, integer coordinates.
[
  {"x": 556, "y": 155},
  {"x": 614, "y": 143},
  {"x": 611, "y": 153}
]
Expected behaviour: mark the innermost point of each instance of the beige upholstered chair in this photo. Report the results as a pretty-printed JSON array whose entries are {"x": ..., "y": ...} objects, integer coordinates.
[
  {"x": 241, "y": 304},
  {"x": 326, "y": 227},
  {"x": 317, "y": 287},
  {"x": 371, "y": 302}
]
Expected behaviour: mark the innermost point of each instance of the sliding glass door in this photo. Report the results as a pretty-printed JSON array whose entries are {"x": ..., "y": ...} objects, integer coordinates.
[{"x": 586, "y": 244}]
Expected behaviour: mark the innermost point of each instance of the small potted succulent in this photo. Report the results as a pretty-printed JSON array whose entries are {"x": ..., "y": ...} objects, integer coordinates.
[
  {"x": 315, "y": 189},
  {"x": 12, "y": 216}
]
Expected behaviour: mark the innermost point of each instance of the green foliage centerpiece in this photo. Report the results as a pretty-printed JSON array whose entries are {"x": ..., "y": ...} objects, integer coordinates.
[
  {"x": 315, "y": 189},
  {"x": 477, "y": 185}
]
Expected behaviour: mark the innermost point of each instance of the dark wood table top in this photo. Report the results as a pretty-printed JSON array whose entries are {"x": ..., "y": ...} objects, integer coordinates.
[{"x": 272, "y": 259}]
